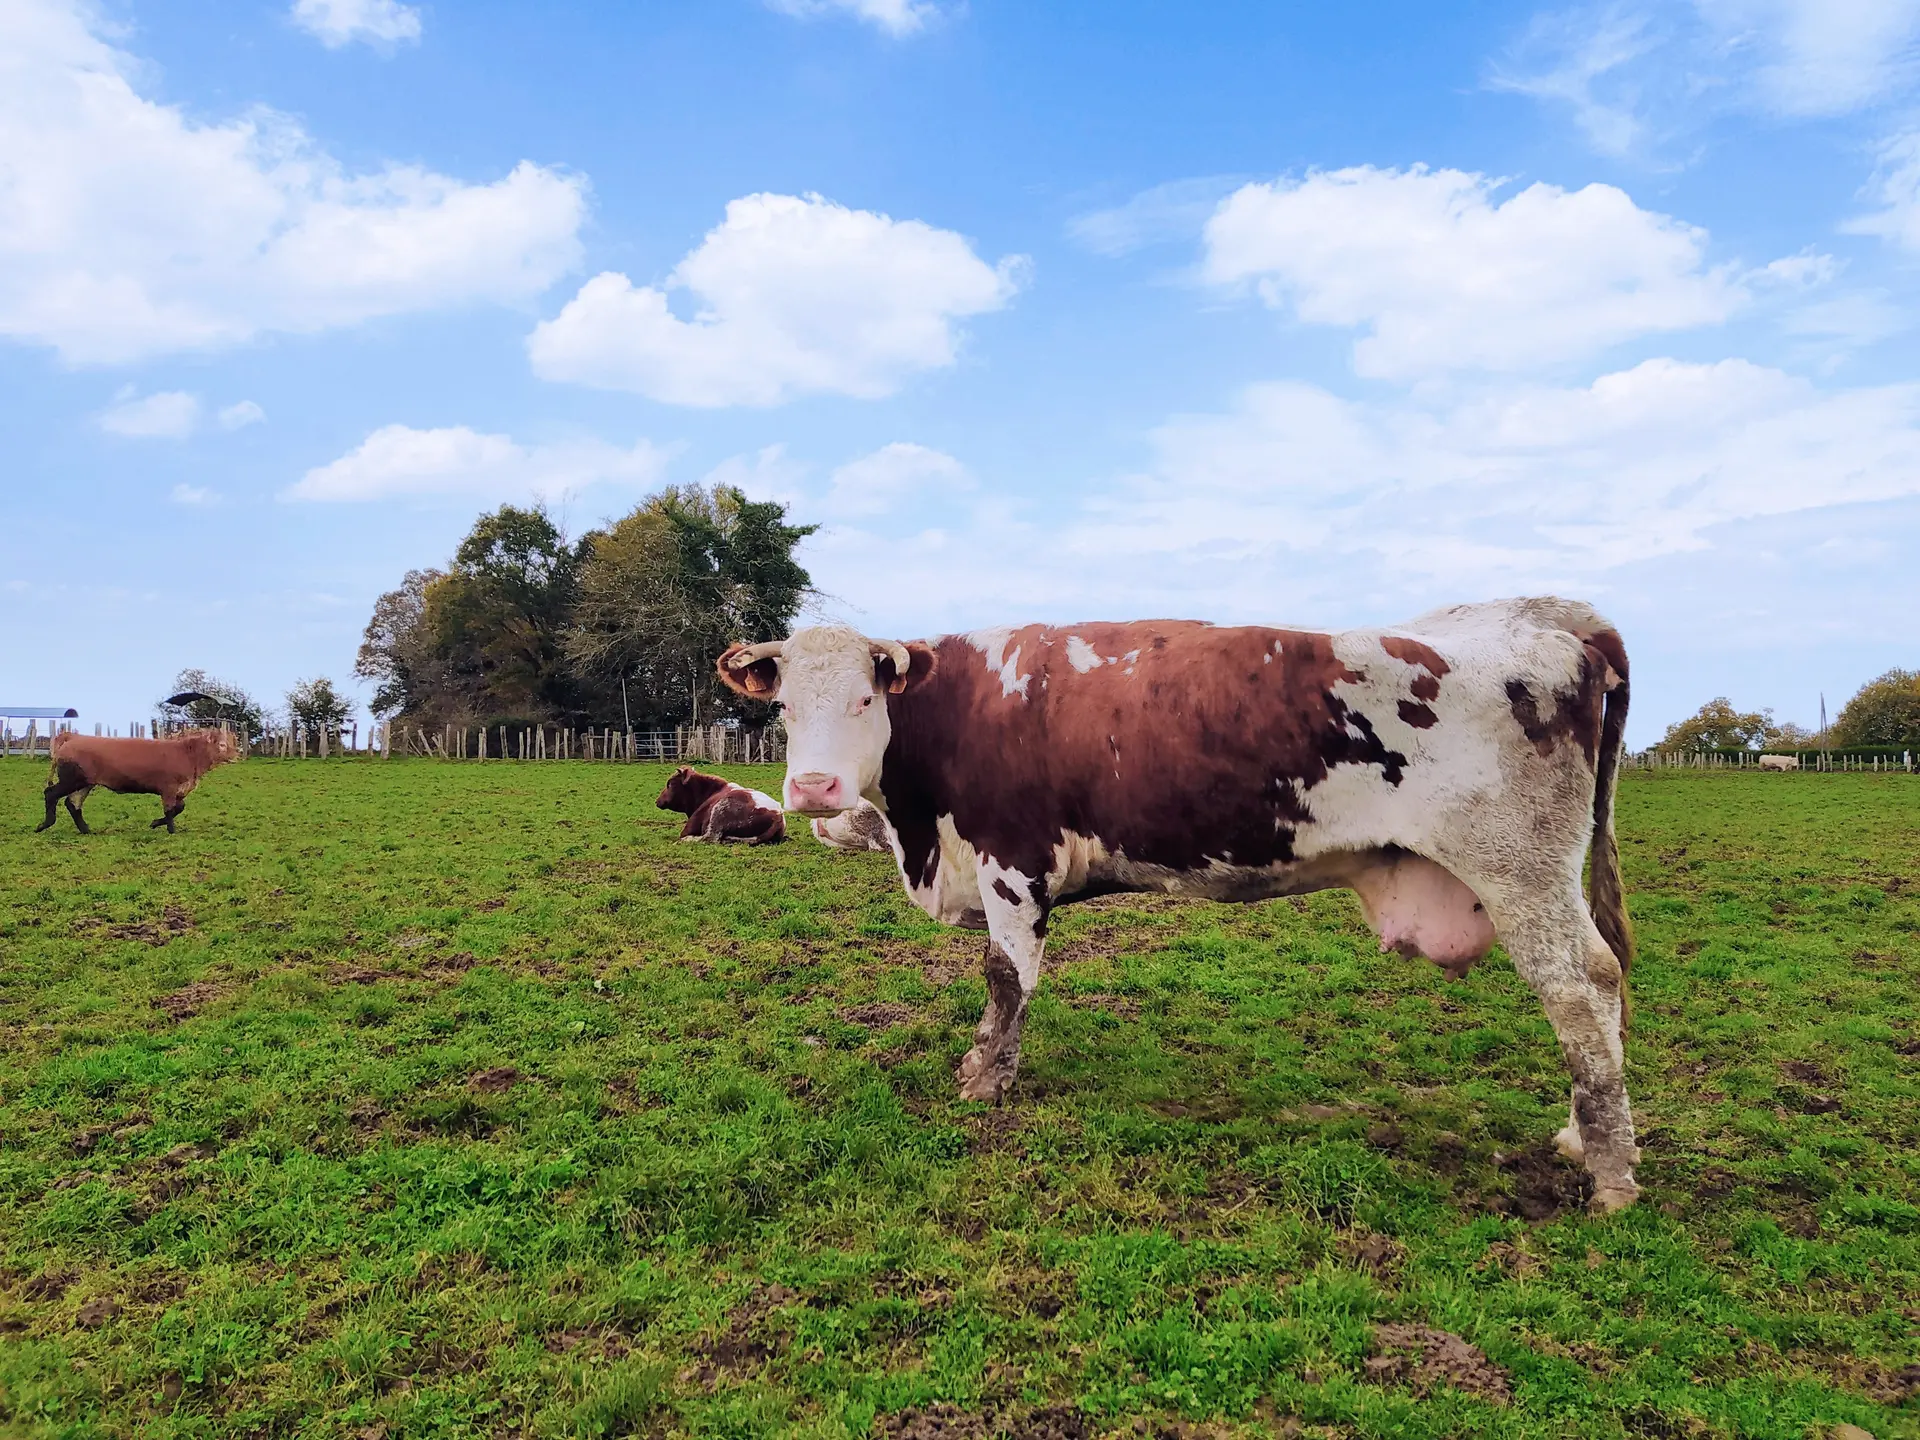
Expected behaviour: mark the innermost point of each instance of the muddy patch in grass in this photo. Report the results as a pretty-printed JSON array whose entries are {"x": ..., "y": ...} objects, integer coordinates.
[
  {"x": 172, "y": 923},
  {"x": 879, "y": 1014},
  {"x": 1540, "y": 1184},
  {"x": 949, "y": 1422},
  {"x": 189, "y": 1000},
  {"x": 1424, "y": 1359}
]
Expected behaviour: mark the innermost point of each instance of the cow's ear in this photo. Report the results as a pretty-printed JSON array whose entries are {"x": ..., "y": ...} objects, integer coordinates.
[
  {"x": 920, "y": 662},
  {"x": 758, "y": 681}
]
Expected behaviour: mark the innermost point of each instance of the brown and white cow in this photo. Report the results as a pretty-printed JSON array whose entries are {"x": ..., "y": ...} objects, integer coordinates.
[
  {"x": 719, "y": 811},
  {"x": 861, "y": 828},
  {"x": 1454, "y": 771},
  {"x": 168, "y": 768}
]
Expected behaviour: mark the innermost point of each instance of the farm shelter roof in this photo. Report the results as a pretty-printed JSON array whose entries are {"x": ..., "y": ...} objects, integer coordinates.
[{"x": 38, "y": 712}]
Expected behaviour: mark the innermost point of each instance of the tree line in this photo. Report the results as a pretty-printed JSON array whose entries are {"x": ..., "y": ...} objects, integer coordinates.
[
  {"x": 1884, "y": 713},
  {"x": 618, "y": 628}
]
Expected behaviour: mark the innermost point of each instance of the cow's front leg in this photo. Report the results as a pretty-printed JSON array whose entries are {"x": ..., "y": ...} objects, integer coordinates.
[{"x": 1017, "y": 927}]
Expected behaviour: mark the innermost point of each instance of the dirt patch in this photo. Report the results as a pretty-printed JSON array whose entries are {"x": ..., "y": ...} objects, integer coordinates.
[
  {"x": 1122, "y": 1007},
  {"x": 172, "y": 924},
  {"x": 1512, "y": 1259},
  {"x": 949, "y": 1422},
  {"x": 449, "y": 967},
  {"x": 1365, "y": 1250},
  {"x": 1805, "y": 1071},
  {"x": 48, "y": 1285},
  {"x": 1423, "y": 1359},
  {"x": 993, "y": 1131},
  {"x": 497, "y": 1081},
  {"x": 84, "y": 1140},
  {"x": 355, "y": 975},
  {"x": 879, "y": 1014},
  {"x": 1541, "y": 1184},
  {"x": 97, "y": 1312},
  {"x": 190, "y": 1000}
]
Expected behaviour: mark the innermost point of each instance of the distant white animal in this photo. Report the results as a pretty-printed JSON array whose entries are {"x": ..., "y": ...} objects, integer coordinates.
[{"x": 1779, "y": 762}]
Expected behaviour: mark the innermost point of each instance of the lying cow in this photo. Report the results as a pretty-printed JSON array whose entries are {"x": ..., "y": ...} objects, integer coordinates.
[
  {"x": 718, "y": 811},
  {"x": 168, "y": 768},
  {"x": 861, "y": 828},
  {"x": 1454, "y": 771},
  {"x": 1779, "y": 762}
]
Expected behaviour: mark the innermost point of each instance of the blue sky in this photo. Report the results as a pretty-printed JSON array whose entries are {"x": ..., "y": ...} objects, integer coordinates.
[{"x": 1322, "y": 315}]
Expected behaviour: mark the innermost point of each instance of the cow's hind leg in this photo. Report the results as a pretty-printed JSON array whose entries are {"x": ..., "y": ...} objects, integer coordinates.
[
  {"x": 1558, "y": 951},
  {"x": 74, "y": 802},
  {"x": 1017, "y": 927},
  {"x": 66, "y": 780}
]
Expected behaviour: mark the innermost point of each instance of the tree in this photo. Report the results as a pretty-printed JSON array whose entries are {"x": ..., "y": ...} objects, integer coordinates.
[
  {"x": 211, "y": 701},
  {"x": 497, "y": 616},
  {"x": 397, "y": 650},
  {"x": 1718, "y": 726},
  {"x": 1886, "y": 711},
  {"x": 668, "y": 587},
  {"x": 316, "y": 705},
  {"x": 1796, "y": 737}
]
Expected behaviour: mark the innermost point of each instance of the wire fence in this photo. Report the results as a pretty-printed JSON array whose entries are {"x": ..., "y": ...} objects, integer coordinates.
[{"x": 708, "y": 744}]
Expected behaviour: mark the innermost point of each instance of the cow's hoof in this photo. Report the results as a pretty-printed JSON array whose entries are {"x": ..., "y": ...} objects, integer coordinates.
[
  {"x": 1570, "y": 1145},
  {"x": 1609, "y": 1198},
  {"x": 971, "y": 1064},
  {"x": 989, "y": 1085}
]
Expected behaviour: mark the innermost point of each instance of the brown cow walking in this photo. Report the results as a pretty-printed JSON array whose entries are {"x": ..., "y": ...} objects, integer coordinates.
[{"x": 167, "y": 768}]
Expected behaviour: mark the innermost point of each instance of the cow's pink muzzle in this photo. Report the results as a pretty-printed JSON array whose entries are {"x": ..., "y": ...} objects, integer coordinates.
[{"x": 816, "y": 793}]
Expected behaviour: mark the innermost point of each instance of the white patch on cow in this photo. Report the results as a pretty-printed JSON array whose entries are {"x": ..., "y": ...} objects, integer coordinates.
[
  {"x": 956, "y": 878},
  {"x": 1082, "y": 656},
  {"x": 1128, "y": 659},
  {"x": 765, "y": 801},
  {"x": 993, "y": 644}
]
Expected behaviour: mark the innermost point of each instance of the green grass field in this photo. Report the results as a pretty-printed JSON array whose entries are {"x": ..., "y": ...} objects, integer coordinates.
[{"x": 406, "y": 1099}]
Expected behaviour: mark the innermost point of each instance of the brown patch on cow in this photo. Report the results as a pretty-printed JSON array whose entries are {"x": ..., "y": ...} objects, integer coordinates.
[
  {"x": 1417, "y": 652},
  {"x": 1577, "y": 713},
  {"x": 497, "y": 1081},
  {"x": 1425, "y": 687},
  {"x": 190, "y": 1000},
  {"x": 1424, "y": 1359},
  {"x": 1418, "y": 716},
  {"x": 1542, "y": 1184},
  {"x": 1250, "y": 717},
  {"x": 1005, "y": 891}
]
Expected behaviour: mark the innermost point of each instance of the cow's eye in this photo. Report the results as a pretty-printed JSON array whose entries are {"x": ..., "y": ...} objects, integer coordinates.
[{"x": 865, "y": 701}]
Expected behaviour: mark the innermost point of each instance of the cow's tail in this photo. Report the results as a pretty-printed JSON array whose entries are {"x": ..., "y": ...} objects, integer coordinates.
[
  {"x": 1606, "y": 893},
  {"x": 55, "y": 746}
]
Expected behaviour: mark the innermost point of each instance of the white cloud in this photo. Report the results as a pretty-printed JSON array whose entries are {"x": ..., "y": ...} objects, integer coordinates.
[
  {"x": 794, "y": 296},
  {"x": 340, "y": 22},
  {"x": 880, "y": 481},
  {"x": 184, "y": 494},
  {"x": 166, "y": 415},
  {"x": 1636, "y": 76},
  {"x": 1585, "y": 61},
  {"x": 1177, "y": 210},
  {"x": 128, "y": 230},
  {"x": 1442, "y": 277},
  {"x": 241, "y": 415},
  {"x": 1896, "y": 187},
  {"x": 1818, "y": 57},
  {"x": 400, "y": 462},
  {"x": 896, "y": 17},
  {"x": 1296, "y": 503}
]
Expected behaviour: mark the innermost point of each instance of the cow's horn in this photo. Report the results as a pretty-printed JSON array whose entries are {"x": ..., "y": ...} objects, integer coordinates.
[
  {"x": 895, "y": 652},
  {"x": 747, "y": 655}
]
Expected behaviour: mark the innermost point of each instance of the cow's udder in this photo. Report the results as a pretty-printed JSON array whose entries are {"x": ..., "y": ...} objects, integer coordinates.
[{"x": 1420, "y": 908}]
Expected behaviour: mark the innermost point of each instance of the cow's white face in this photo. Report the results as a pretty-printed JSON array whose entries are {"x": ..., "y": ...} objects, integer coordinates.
[{"x": 831, "y": 684}]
